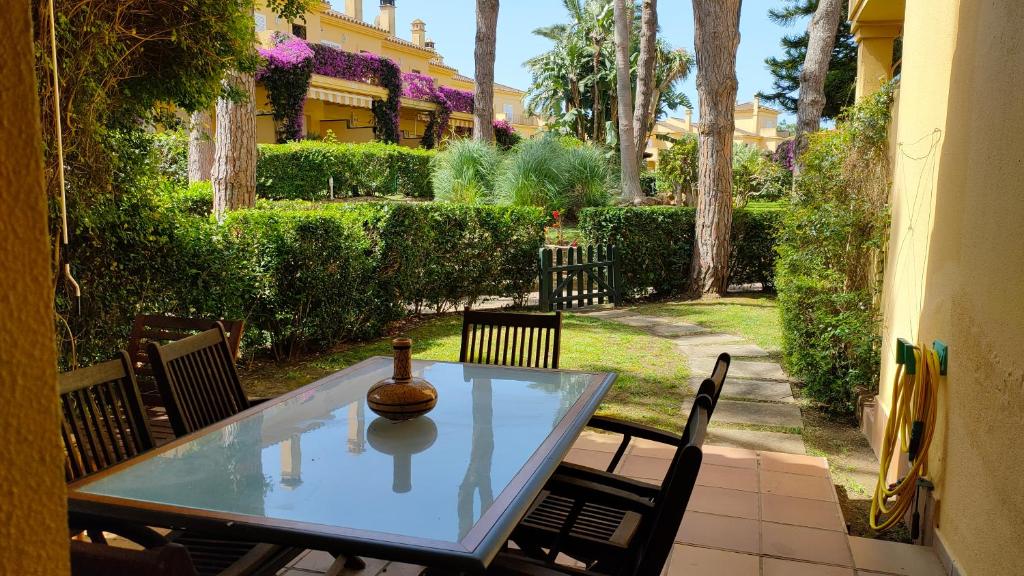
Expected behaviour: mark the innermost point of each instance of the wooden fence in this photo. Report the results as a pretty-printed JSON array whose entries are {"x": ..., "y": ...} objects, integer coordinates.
[{"x": 574, "y": 277}]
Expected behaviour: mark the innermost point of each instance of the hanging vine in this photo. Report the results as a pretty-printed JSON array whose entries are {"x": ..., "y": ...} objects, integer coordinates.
[{"x": 286, "y": 73}]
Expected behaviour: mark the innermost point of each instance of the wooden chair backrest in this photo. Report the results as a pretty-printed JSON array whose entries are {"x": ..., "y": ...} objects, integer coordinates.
[
  {"x": 676, "y": 490},
  {"x": 103, "y": 421},
  {"x": 165, "y": 329},
  {"x": 509, "y": 339},
  {"x": 198, "y": 380}
]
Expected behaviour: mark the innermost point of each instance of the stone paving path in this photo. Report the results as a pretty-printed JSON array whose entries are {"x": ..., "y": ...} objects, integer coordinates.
[{"x": 756, "y": 409}]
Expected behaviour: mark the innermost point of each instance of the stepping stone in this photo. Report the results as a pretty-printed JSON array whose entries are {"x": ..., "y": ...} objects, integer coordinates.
[
  {"x": 756, "y": 413},
  {"x": 707, "y": 339},
  {"x": 676, "y": 330},
  {"x": 607, "y": 313},
  {"x": 740, "y": 369},
  {"x": 637, "y": 321},
  {"x": 734, "y": 350},
  {"x": 763, "y": 390},
  {"x": 754, "y": 440}
]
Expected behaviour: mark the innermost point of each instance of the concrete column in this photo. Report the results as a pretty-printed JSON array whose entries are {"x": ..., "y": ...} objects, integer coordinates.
[
  {"x": 34, "y": 532},
  {"x": 874, "y": 54},
  {"x": 386, "y": 18}
]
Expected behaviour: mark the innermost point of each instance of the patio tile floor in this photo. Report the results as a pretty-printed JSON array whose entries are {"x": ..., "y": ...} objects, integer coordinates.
[{"x": 751, "y": 514}]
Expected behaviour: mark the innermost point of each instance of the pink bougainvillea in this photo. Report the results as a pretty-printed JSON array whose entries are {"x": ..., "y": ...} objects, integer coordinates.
[
  {"x": 286, "y": 71},
  {"x": 459, "y": 100},
  {"x": 418, "y": 86},
  {"x": 372, "y": 69}
]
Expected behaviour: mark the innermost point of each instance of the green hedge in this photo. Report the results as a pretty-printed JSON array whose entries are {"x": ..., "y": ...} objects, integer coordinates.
[
  {"x": 302, "y": 170},
  {"x": 655, "y": 245},
  {"x": 303, "y": 276}
]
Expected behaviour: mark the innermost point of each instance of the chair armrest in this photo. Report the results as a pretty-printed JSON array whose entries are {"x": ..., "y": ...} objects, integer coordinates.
[
  {"x": 634, "y": 430},
  {"x": 610, "y": 479},
  {"x": 90, "y": 559},
  {"x": 142, "y": 535},
  {"x": 513, "y": 563},
  {"x": 594, "y": 493}
]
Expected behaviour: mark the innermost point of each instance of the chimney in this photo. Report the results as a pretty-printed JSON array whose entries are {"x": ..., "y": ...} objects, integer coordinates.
[
  {"x": 689, "y": 118},
  {"x": 354, "y": 8},
  {"x": 386, "y": 18},
  {"x": 419, "y": 33},
  {"x": 430, "y": 44}
]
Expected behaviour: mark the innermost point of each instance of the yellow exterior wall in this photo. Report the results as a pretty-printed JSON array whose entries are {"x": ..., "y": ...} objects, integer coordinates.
[
  {"x": 955, "y": 266},
  {"x": 33, "y": 531},
  {"x": 326, "y": 25}
]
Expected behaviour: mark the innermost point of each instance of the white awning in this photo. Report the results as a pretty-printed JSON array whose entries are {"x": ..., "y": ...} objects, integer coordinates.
[{"x": 343, "y": 98}]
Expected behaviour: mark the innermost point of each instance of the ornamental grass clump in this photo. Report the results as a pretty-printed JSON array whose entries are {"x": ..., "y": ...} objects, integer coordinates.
[
  {"x": 549, "y": 173},
  {"x": 465, "y": 172}
]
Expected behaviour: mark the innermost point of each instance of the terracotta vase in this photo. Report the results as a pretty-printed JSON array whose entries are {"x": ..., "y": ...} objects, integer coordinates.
[{"x": 402, "y": 397}]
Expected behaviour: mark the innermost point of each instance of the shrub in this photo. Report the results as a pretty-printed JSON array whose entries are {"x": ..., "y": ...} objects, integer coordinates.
[
  {"x": 677, "y": 168},
  {"x": 302, "y": 170},
  {"x": 465, "y": 172},
  {"x": 303, "y": 276},
  {"x": 828, "y": 250},
  {"x": 195, "y": 199},
  {"x": 655, "y": 245},
  {"x": 549, "y": 173},
  {"x": 505, "y": 135},
  {"x": 756, "y": 176},
  {"x": 170, "y": 155}
]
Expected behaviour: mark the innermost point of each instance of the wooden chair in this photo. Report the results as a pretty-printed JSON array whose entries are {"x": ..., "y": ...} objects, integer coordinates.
[
  {"x": 198, "y": 380},
  {"x": 507, "y": 339},
  {"x": 162, "y": 330},
  {"x": 626, "y": 529},
  {"x": 103, "y": 423}
]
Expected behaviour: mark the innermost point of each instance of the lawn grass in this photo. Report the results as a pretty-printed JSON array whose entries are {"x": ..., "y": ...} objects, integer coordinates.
[
  {"x": 652, "y": 375},
  {"x": 754, "y": 317}
]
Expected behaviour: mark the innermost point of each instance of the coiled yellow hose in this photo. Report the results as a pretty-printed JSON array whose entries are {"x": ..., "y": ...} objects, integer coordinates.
[{"x": 914, "y": 400}]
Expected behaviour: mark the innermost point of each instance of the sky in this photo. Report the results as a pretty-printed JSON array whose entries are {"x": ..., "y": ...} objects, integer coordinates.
[{"x": 452, "y": 25}]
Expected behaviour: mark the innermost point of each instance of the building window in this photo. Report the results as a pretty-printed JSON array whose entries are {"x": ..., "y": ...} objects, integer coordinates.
[
  {"x": 261, "y": 21},
  {"x": 299, "y": 31},
  {"x": 509, "y": 112}
]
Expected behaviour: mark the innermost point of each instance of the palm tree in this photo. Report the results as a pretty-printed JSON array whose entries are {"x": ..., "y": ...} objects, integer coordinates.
[
  {"x": 574, "y": 83},
  {"x": 629, "y": 159}
]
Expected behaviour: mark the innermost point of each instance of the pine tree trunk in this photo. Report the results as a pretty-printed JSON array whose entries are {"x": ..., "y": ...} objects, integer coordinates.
[
  {"x": 483, "y": 97},
  {"x": 646, "y": 80},
  {"x": 200, "y": 147},
  {"x": 234, "y": 162},
  {"x": 716, "y": 36},
  {"x": 821, "y": 40},
  {"x": 631, "y": 191}
]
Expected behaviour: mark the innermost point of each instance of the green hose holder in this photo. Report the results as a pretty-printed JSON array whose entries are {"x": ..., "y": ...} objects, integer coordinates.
[{"x": 905, "y": 355}]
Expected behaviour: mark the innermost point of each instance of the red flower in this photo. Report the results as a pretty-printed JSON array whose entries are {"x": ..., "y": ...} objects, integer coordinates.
[{"x": 555, "y": 214}]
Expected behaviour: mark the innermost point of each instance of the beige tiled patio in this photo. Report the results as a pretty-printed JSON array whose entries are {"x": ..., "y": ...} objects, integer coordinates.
[{"x": 752, "y": 513}]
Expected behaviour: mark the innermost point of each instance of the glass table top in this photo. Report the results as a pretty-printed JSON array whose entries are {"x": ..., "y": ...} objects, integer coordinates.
[{"x": 322, "y": 457}]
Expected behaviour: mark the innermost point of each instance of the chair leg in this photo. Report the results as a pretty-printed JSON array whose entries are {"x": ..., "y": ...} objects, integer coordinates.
[{"x": 344, "y": 562}]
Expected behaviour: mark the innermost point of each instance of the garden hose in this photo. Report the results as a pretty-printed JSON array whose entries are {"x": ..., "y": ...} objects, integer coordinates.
[{"x": 911, "y": 426}]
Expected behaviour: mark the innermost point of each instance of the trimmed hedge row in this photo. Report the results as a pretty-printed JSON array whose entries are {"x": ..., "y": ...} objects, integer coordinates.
[
  {"x": 655, "y": 245},
  {"x": 302, "y": 170},
  {"x": 303, "y": 276}
]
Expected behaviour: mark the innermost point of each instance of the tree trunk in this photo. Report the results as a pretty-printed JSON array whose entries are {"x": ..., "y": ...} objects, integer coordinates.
[
  {"x": 200, "y": 147},
  {"x": 631, "y": 191},
  {"x": 646, "y": 80},
  {"x": 234, "y": 162},
  {"x": 822, "y": 38},
  {"x": 483, "y": 97},
  {"x": 716, "y": 36},
  {"x": 598, "y": 117}
]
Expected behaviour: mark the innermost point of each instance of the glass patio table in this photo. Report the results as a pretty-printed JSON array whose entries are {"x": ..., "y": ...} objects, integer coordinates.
[{"x": 316, "y": 468}]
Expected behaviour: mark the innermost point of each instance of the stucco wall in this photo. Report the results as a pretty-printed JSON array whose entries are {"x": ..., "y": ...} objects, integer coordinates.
[
  {"x": 33, "y": 530},
  {"x": 955, "y": 269}
]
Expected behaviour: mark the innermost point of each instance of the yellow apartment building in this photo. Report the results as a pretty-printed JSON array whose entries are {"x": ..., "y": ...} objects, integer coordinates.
[
  {"x": 954, "y": 264},
  {"x": 344, "y": 107},
  {"x": 756, "y": 125}
]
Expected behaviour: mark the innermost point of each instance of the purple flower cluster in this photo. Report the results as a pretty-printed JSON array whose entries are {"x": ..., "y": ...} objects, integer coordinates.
[
  {"x": 286, "y": 73},
  {"x": 458, "y": 100},
  {"x": 286, "y": 53},
  {"x": 504, "y": 126},
  {"x": 785, "y": 155},
  {"x": 418, "y": 86},
  {"x": 362, "y": 67}
]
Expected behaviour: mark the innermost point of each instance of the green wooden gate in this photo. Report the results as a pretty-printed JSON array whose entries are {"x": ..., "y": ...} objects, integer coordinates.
[{"x": 574, "y": 277}]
